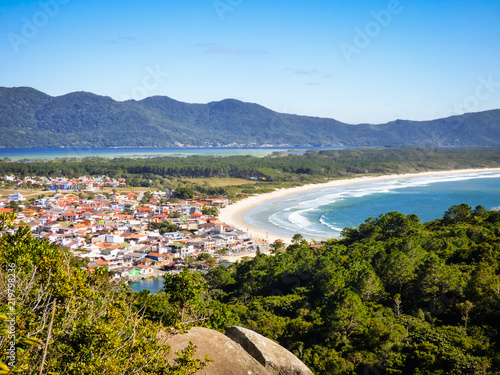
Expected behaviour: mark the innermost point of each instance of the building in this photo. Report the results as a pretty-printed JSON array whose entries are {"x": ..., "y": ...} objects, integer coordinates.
[{"x": 15, "y": 197}]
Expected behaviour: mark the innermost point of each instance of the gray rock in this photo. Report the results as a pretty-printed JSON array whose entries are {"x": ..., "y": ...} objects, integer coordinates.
[
  {"x": 228, "y": 356},
  {"x": 276, "y": 359}
]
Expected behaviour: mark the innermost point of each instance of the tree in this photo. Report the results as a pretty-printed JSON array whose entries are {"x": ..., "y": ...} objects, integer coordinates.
[
  {"x": 128, "y": 209},
  {"x": 400, "y": 268},
  {"x": 465, "y": 308},
  {"x": 222, "y": 251},
  {"x": 164, "y": 227},
  {"x": 277, "y": 246},
  {"x": 14, "y": 205},
  {"x": 208, "y": 259},
  {"x": 185, "y": 290},
  {"x": 183, "y": 192},
  {"x": 210, "y": 211},
  {"x": 458, "y": 213},
  {"x": 71, "y": 321},
  {"x": 297, "y": 238}
]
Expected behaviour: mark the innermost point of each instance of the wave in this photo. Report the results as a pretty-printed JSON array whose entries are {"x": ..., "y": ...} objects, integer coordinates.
[
  {"x": 276, "y": 220},
  {"x": 336, "y": 194},
  {"x": 301, "y": 221},
  {"x": 307, "y": 213},
  {"x": 325, "y": 223},
  {"x": 296, "y": 223}
]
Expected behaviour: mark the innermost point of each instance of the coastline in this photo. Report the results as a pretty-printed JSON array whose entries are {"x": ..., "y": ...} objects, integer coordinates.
[{"x": 233, "y": 214}]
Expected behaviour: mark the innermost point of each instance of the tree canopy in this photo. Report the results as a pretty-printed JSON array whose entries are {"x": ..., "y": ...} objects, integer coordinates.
[{"x": 393, "y": 296}]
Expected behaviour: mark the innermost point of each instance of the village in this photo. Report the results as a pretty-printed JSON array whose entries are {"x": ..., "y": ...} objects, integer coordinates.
[{"x": 133, "y": 235}]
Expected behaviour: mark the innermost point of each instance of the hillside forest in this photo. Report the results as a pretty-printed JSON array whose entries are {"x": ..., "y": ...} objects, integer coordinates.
[{"x": 393, "y": 296}]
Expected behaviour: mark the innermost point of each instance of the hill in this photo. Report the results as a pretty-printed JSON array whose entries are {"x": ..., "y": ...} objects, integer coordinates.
[
  {"x": 393, "y": 296},
  {"x": 30, "y": 118}
]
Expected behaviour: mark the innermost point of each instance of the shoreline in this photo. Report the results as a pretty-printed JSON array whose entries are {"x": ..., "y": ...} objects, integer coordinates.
[{"x": 233, "y": 214}]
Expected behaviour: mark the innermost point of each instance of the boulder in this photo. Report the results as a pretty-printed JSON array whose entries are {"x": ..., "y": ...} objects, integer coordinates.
[
  {"x": 228, "y": 357},
  {"x": 276, "y": 359}
]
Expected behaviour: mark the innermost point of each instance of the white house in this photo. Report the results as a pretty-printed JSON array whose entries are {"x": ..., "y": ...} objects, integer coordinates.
[{"x": 15, "y": 197}]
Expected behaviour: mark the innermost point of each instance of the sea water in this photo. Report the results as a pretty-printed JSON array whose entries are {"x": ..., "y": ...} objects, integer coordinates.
[{"x": 323, "y": 213}]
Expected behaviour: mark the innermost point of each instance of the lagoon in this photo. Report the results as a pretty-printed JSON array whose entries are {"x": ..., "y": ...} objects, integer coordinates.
[
  {"x": 153, "y": 284},
  {"x": 59, "y": 153}
]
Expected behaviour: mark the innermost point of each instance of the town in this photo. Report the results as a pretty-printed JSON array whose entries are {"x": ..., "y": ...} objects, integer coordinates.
[{"x": 133, "y": 235}]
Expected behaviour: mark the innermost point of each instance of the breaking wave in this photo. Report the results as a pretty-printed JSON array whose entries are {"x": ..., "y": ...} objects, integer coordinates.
[{"x": 323, "y": 213}]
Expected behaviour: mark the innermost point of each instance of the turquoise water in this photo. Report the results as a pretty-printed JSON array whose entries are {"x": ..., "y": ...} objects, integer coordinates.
[
  {"x": 53, "y": 153},
  {"x": 153, "y": 285},
  {"x": 323, "y": 213}
]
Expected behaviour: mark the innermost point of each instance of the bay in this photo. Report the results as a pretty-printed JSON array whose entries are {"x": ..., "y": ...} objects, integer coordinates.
[
  {"x": 323, "y": 213},
  {"x": 154, "y": 285}
]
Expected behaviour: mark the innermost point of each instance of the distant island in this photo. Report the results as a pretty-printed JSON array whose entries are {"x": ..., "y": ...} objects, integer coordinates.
[{"x": 30, "y": 118}]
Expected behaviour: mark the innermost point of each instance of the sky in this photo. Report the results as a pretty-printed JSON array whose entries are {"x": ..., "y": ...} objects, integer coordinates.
[{"x": 354, "y": 61}]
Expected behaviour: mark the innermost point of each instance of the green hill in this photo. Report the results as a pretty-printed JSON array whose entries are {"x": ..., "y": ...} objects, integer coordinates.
[
  {"x": 30, "y": 118},
  {"x": 393, "y": 296}
]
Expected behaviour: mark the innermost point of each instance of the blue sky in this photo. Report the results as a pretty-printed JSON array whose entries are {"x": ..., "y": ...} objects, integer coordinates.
[{"x": 363, "y": 61}]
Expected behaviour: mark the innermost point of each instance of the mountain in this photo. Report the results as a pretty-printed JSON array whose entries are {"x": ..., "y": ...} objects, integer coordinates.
[{"x": 30, "y": 118}]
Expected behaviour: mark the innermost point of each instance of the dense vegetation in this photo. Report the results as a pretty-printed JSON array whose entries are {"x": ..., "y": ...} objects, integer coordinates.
[
  {"x": 272, "y": 171},
  {"x": 395, "y": 296},
  {"x": 56, "y": 315},
  {"x": 29, "y": 118}
]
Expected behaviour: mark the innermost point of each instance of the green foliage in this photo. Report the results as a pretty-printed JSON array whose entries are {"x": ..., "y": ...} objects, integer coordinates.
[
  {"x": 210, "y": 211},
  {"x": 73, "y": 321},
  {"x": 165, "y": 227},
  {"x": 30, "y": 118},
  {"x": 313, "y": 166},
  {"x": 394, "y": 296},
  {"x": 183, "y": 192}
]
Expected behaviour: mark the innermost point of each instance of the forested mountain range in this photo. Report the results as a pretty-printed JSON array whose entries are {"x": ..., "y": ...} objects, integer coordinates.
[{"x": 30, "y": 118}]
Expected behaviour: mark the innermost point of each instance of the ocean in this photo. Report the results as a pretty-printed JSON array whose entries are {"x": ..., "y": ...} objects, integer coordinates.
[{"x": 323, "y": 213}]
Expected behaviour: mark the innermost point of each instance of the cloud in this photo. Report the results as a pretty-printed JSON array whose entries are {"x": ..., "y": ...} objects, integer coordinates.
[{"x": 211, "y": 48}]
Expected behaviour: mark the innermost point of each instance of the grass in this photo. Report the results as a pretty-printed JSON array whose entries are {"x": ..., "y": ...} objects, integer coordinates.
[
  {"x": 220, "y": 182},
  {"x": 126, "y": 189},
  {"x": 25, "y": 193}
]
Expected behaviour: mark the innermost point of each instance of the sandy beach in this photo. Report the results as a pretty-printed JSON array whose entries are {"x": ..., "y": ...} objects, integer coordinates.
[{"x": 233, "y": 214}]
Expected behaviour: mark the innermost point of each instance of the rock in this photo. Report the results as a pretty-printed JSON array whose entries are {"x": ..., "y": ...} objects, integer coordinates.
[
  {"x": 228, "y": 356},
  {"x": 276, "y": 359}
]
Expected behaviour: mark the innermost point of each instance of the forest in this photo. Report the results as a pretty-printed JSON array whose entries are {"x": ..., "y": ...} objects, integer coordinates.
[
  {"x": 274, "y": 171},
  {"x": 30, "y": 118},
  {"x": 392, "y": 296}
]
